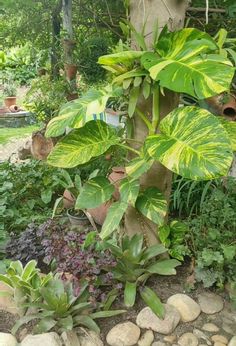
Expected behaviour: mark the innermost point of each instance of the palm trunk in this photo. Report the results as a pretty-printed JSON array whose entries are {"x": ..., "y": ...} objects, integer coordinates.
[{"x": 172, "y": 13}]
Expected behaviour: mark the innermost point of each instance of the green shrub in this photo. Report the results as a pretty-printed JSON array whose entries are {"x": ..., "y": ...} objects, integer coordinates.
[
  {"x": 213, "y": 237},
  {"x": 89, "y": 53}
]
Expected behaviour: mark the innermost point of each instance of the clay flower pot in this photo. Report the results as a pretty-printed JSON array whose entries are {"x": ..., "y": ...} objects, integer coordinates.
[
  {"x": 70, "y": 71},
  {"x": 68, "y": 199},
  {"x": 99, "y": 214},
  {"x": 221, "y": 104},
  {"x": 14, "y": 108},
  {"x": 10, "y": 101},
  {"x": 118, "y": 173}
]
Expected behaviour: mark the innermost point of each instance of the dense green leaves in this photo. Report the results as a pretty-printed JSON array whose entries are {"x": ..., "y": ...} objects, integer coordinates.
[
  {"x": 94, "y": 192},
  {"x": 120, "y": 58},
  {"x": 129, "y": 189},
  {"x": 138, "y": 166},
  {"x": 152, "y": 204},
  {"x": 79, "y": 146},
  {"x": 230, "y": 127},
  {"x": 192, "y": 143},
  {"x": 180, "y": 64}
]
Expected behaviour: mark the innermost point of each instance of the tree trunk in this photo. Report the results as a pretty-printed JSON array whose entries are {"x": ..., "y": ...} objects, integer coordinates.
[
  {"x": 172, "y": 13},
  {"x": 67, "y": 26},
  {"x": 56, "y": 29}
]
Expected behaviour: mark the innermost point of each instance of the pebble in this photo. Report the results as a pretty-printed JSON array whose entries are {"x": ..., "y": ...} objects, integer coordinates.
[
  {"x": 170, "y": 338},
  {"x": 189, "y": 310},
  {"x": 70, "y": 338},
  {"x": 125, "y": 334},
  {"x": 200, "y": 335},
  {"x": 46, "y": 339},
  {"x": 146, "y": 339},
  {"x": 210, "y": 303},
  {"x": 219, "y": 344},
  {"x": 210, "y": 327},
  {"x": 158, "y": 343},
  {"x": 88, "y": 338},
  {"x": 148, "y": 320},
  {"x": 219, "y": 338},
  {"x": 232, "y": 341},
  {"x": 188, "y": 339},
  {"x": 7, "y": 340}
]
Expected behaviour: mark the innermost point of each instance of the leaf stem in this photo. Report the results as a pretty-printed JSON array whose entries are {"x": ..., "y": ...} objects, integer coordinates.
[
  {"x": 155, "y": 108},
  {"x": 145, "y": 120},
  {"x": 129, "y": 148}
]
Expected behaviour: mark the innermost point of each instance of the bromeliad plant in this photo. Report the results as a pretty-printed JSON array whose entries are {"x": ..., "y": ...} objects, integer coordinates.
[
  {"x": 135, "y": 264},
  {"x": 189, "y": 141},
  {"x": 25, "y": 283},
  {"x": 63, "y": 310}
]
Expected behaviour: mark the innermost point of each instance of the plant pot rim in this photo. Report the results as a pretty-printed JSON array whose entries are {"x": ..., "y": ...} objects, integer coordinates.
[{"x": 84, "y": 217}]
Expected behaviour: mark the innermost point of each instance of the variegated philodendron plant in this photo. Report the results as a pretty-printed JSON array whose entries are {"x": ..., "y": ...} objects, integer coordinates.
[{"x": 189, "y": 141}]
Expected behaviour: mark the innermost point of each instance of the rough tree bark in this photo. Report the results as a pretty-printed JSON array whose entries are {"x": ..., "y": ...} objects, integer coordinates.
[
  {"x": 172, "y": 13},
  {"x": 67, "y": 26}
]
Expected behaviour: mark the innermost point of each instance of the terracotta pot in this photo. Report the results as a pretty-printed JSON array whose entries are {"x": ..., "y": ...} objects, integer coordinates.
[
  {"x": 220, "y": 106},
  {"x": 68, "y": 199},
  {"x": 99, "y": 214},
  {"x": 10, "y": 101},
  {"x": 14, "y": 108},
  {"x": 70, "y": 71},
  {"x": 118, "y": 173}
]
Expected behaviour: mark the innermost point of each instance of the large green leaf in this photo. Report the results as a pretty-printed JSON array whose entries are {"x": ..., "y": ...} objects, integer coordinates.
[
  {"x": 80, "y": 145},
  {"x": 192, "y": 143},
  {"x": 113, "y": 219},
  {"x": 94, "y": 192},
  {"x": 129, "y": 189},
  {"x": 164, "y": 267},
  {"x": 119, "y": 58},
  {"x": 138, "y": 166},
  {"x": 230, "y": 127},
  {"x": 185, "y": 63},
  {"x": 152, "y": 204}
]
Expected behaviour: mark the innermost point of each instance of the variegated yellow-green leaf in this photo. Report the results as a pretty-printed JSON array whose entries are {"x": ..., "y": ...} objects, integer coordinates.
[
  {"x": 75, "y": 114},
  {"x": 138, "y": 166},
  {"x": 192, "y": 144},
  {"x": 152, "y": 204},
  {"x": 94, "y": 192},
  {"x": 230, "y": 127},
  {"x": 186, "y": 61},
  {"x": 80, "y": 145},
  {"x": 118, "y": 58},
  {"x": 129, "y": 189},
  {"x": 130, "y": 74},
  {"x": 113, "y": 219}
]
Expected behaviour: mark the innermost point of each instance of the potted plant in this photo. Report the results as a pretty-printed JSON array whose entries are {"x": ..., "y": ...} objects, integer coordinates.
[{"x": 10, "y": 94}]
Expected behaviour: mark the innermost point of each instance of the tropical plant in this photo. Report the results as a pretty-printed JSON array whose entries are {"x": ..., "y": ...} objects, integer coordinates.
[
  {"x": 63, "y": 310},
  {"x": 25, "y": 283},
  {"x": 135, "y": 264},
  {"x": 189, "y": 141},
  {"x": 9, "y": 89}
]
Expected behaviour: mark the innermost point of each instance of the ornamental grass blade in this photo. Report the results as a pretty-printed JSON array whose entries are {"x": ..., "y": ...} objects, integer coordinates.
[
  {"x": 130, "y": 293},
  {"x": 152, "y": 300},
  {"x": 164, "y": 267},
  {"x": 107, "y": 313},
  {"x": 192, "y": 144},
  {"x": 113, "y": 219}
]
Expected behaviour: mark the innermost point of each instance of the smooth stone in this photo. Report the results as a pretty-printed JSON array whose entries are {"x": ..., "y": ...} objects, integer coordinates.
[
  {"x": 200, "y": 335},
  {"x": 125, "y": 334},
  {"x": 210, "y": 327},
  {"x": 158, "y": 343},
  {"x": 7, "y": 302},
  {"x": 46, "y": 339},
  {"x": 89, "y": 338},
  {"x": 219, "y": 338},
  {"x": 7, "y": 340},
  {"x": 219, "y": 344},
  {"x": 170, "y": 338},
  {"x": 229, "y": 328},
  {"x": 210, "y": 303},
  {"x": 188, "y": 339},
  {"x": 146, "y": 339},
  {"x": 189, "y": 310},
  {"x": 70, "y": 338},
  {"x": 232, "y": 341},
  {"x": 148, "y": 320}
]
